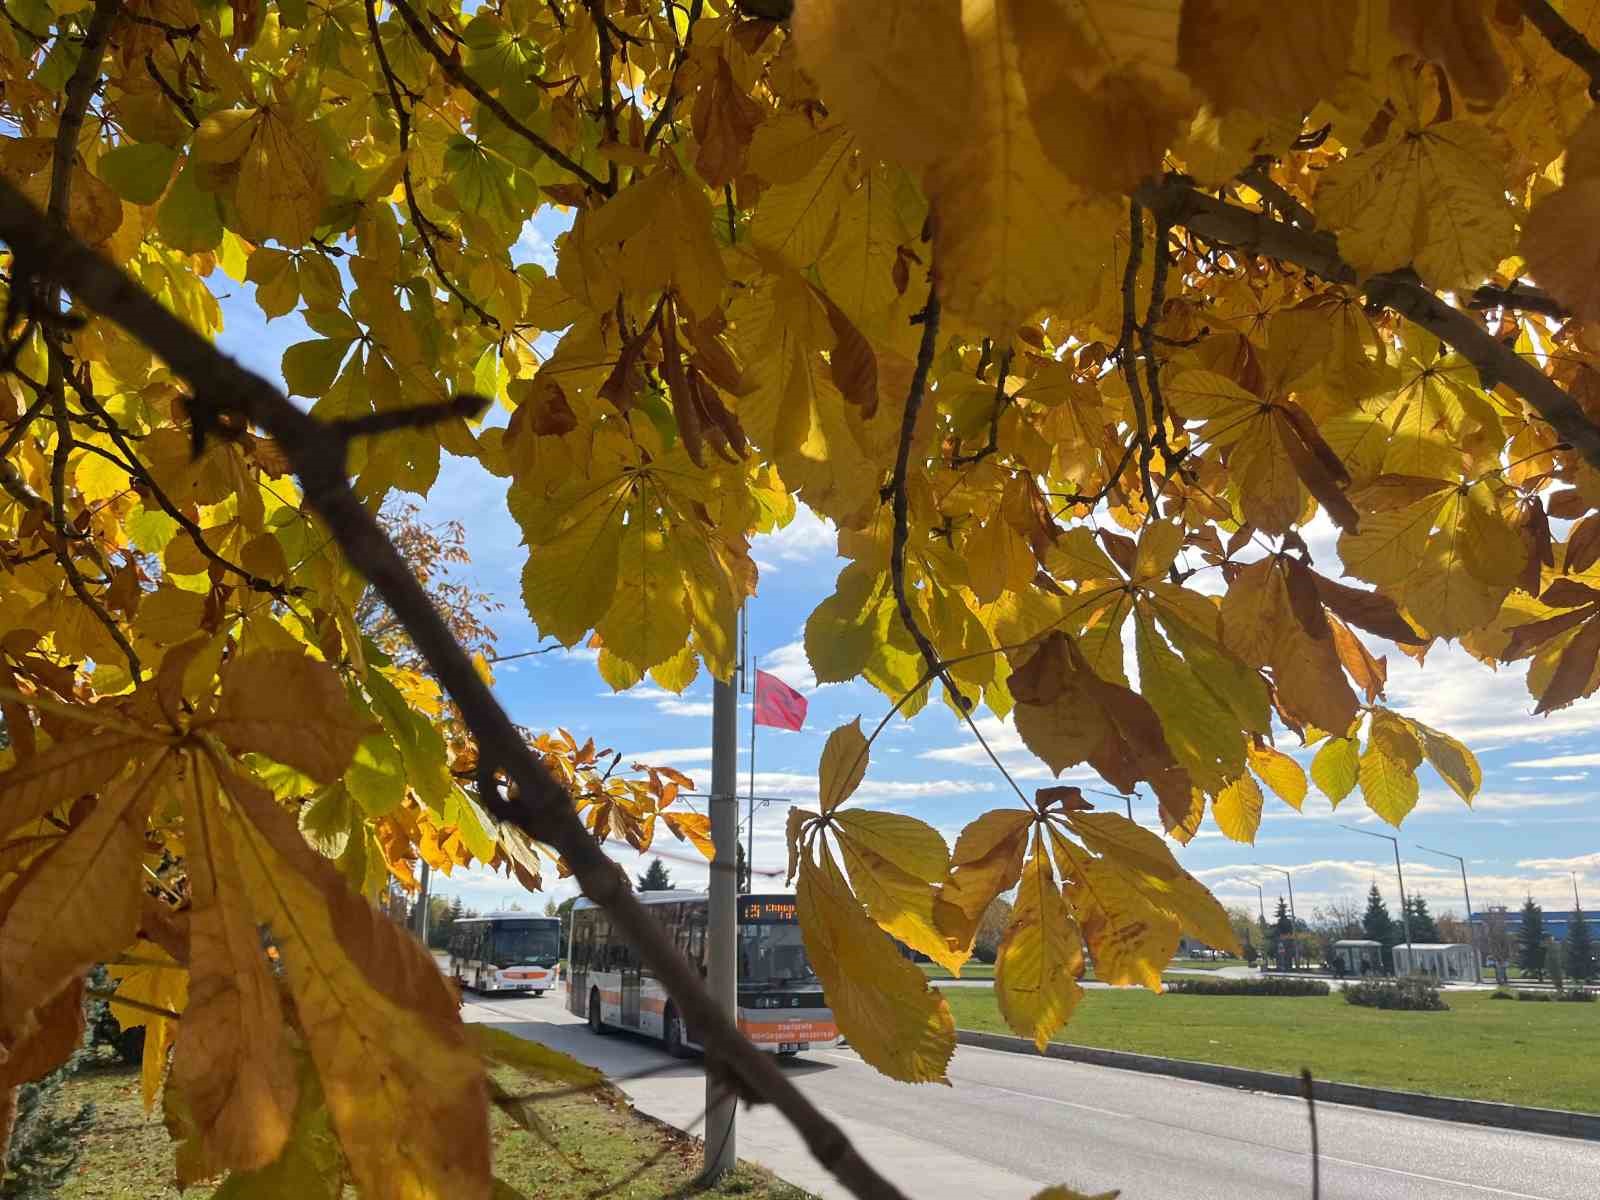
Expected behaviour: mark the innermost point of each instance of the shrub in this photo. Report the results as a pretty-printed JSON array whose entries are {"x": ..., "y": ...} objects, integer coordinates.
[
  {"x": 45, "y": 1139},
  {"x": 1501, "y": 994},
  {"x": 1272, "y": 986},
  {"x": 1577, "y": 995},
  {"x": 1406, "y": 995},
  {"x": 1536, "y": 997}
]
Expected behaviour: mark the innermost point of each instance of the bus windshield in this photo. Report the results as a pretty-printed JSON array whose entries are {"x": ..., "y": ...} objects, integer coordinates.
[
  {"x": 522, "y": 944},
  {"x": 773, "y": 956}
]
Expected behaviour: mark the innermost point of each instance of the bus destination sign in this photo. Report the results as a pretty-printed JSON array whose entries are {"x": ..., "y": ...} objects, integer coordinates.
[{"x": 764, "y": 910}]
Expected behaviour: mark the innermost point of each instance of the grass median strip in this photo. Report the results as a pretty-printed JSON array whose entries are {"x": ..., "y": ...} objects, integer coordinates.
[
  {"x": 1542, "y": 1055},
  {"x": 603, "y": 1151}
]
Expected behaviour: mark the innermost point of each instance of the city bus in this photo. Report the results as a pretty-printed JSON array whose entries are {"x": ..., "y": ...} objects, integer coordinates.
[
  {"x": 510, "y": 951},
  {"x": 781, "y": 1007}
]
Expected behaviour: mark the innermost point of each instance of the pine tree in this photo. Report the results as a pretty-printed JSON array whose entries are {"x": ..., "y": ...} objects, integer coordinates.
[
  {"x": 44, "y": 1141},
  {"x": 1378, "y": 926},
  {"x": 656, "y": 877},
  {"x": 1530, "y": 940},
  {"x": 1580, "y": 948},
  {"x": 1423, "y": 927},
  {"x": 1282, "y": 933}
]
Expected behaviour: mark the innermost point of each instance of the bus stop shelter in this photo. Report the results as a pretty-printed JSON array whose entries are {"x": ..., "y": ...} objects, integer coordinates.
[
  {"x": 1443, "y": 961},
  {"x": 1358, "y": 956}
]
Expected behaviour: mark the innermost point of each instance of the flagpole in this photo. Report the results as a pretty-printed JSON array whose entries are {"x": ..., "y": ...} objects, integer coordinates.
[{"x": 750, "y": 817}]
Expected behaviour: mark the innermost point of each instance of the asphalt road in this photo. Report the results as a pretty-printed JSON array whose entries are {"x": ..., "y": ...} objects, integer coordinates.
[{"x": 1012, "y": 1124}]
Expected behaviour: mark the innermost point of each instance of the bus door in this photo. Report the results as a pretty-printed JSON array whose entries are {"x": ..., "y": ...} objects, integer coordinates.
[{"x": 630, "y": 993}]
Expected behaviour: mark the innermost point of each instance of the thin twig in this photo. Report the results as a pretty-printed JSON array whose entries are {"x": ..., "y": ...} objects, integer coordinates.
[
  {"x": 170, "y": 92},
  {"x": 457, "y": 75},
  {"x": 1001, "y": 400},
  {"x": 658, "y": 123},
  {"x": 1126, "y": 358},
  {"x": 1317, "y": 252},
  {"x": 464, "y": 404},
  {"x": 1147, "y": 340},
  {"x": 139, "y": 1005},
  {"x": 608, "y": 98},
  {"x": 902, "y": 502},
  {"x": 536, "y": 803},
  {"x": 1519, "y": 296},
  {"x": 421, "y": 224}
]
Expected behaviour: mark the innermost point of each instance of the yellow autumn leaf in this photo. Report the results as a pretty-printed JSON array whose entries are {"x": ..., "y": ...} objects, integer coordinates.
[
  {"x": 842, "y": 767},
  {"x": 232, "y": 1061},
  {"x": 897, "y": 72},
  {"x": 881, "y": 1001},
  {"x": 1336, "y": 768},
  {"x": 78, "y": 903},
  {"x": 1040, "y": 956},
  {"x": 1279, "y": 772},
  {"x": 404, "y": 1088},
  {"x": 1130, "y": 939},
  {"x": 289, "y": 707},
  {"x": 1237, "y": 809},
  {"x": 1259, "y": 55},
  {"x": 986, "y": 861},
  {"x": 62, "y": 773},
  {"x": 149, "y": 982},
  {"x": 1429, "y": 196}
]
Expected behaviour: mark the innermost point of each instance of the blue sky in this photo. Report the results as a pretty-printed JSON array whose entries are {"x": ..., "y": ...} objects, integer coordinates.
[{"x": 1535, "y": 822}]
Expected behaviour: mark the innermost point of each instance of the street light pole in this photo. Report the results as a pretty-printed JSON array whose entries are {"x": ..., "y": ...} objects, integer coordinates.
[
  {"x": 722, "y": 973},
  {"x": 1261, "y": 902},
  {"x": 1477, "y": 964},
  {"x": 1405, "y": 912},
  {"x": 1294, "y": 921}
]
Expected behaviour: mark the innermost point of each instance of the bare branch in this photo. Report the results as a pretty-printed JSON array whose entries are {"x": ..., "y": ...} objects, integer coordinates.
[
  {"x": 670, "y": 102},
  {"x": 1126, "y": 358},
  {"x": 608, "y": 96},
  {"x": 1001, "y": 400},
  {"x": 536, "y": 804},
  {"x": 478, "y": 92},
  {"x": 1519, "y": 296},
  {"x": 1318, "y": 252}
]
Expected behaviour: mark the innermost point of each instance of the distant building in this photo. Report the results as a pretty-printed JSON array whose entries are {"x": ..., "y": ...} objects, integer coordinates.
[{"x": 1556, "y": 921}]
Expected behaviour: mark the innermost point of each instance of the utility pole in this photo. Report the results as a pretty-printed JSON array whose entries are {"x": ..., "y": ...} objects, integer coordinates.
[
  {"x": 722, "y": 967},
  {"x": 422, "y": 907},
  {"x": 1261, "y": 904},
  {"x": 1405, "y": 913},
  {"x": 1477, "y": 960}
]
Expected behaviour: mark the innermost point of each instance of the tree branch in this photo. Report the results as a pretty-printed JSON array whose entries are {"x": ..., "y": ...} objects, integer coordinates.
[
  {"x": 608, "y": 99},
  {"x": 402, "y": 116},
  {"x": 538, "y": 806},
  {"x": 1001, "y": 400},
  {"x": 1565, "y": 40},
  {"x": 1126, "y": 358},
  {"x": 902, "y": 501},
  {"x": 661, "y": 118},
  {"x": 457, "y": 75},
  {"x": 1318, "y": 252}
]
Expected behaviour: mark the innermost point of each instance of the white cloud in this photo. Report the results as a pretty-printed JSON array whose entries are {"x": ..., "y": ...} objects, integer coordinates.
[
  {"x": 676, "y": 757},
  {"x": 534, "y": 246},
  {"x": 1007, "y": 744},
  {"x": 801, "y": 787},
  {"x": 1454, "y": 692},
  {"x": 1560, "y": 760},
  {"x": 665, "y": 702},
  {"x": 1580, "y": 863},
  {"x": 790, "y": 664},
  {"x": 806, "y": 538}
]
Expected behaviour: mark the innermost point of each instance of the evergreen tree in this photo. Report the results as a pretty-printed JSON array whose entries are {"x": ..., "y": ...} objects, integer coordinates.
[
  {"x": 44, "y": 1140},
  {"x": 1378, "y": 926},
  {"x": 1423, "y": 927},
  {"x": 656, "y": 877},
  {"x": 1580, "y": 948},
  {"x": 1530, "y": 940},
  {"x": 741, "y": 870},
  {"x": 1282, "y": 934}
]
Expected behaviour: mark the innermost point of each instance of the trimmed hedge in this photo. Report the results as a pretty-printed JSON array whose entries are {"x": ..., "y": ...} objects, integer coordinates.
[
  {"x": 1269, "y": 986},
  {"x": 1405, "y": 995},
  {"x": 1536, "y": 997}
]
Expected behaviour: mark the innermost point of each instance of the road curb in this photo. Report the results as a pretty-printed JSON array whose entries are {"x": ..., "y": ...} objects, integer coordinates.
[{"x": 1555, "y": 1121}]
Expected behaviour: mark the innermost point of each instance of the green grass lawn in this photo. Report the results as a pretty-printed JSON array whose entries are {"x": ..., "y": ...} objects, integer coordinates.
[
  {"x": 1482, "y": 1049},
  {"x": 978, "y": 970},
  {"x": 127, "y": 1156}
]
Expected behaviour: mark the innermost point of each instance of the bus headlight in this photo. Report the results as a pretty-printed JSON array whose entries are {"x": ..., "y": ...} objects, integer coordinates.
[{"x": 768, "y": 1002}]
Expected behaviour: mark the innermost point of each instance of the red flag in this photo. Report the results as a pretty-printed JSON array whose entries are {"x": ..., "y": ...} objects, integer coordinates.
[{"x": 778, "y": 704}]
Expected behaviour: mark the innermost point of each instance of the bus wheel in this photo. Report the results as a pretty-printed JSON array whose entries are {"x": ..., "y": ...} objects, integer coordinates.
[
  {"x": 674, "y": 1034},
  {"x": 596, "y": 1025},
  {"x": 788, "y": 1054},
  {"x": 539, "y": 992}
]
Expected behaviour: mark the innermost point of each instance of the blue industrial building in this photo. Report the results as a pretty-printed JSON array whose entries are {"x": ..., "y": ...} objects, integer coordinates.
[{"x": 1556, "y": 922}]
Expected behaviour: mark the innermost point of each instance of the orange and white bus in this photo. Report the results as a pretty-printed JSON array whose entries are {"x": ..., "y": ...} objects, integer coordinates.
[
  {"x": 781, "y": 1005},
  {"x": 512, "y": 951}
]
